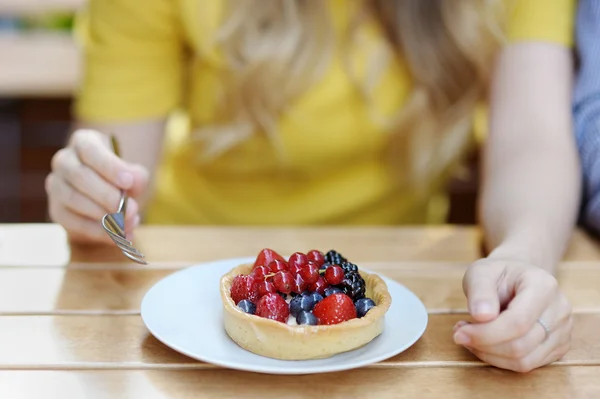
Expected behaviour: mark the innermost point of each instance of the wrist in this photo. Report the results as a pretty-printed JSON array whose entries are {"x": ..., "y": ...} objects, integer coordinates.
[{"x": 524, "y": 253}]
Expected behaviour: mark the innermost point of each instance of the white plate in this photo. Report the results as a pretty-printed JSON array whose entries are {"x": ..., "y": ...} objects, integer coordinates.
[{"x": 184, "y": 311}]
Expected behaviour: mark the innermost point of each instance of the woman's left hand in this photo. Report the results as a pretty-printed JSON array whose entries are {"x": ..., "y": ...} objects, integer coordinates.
[{"x": 510, "y": 302}]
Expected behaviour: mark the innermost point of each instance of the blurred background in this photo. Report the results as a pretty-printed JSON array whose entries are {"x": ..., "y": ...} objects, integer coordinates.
[{"x": 40, "y": 66}]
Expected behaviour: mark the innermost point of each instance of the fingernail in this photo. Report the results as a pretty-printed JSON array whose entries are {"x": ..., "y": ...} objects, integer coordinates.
[
  {"x": 459, "y": 325},
  {"x": 125, "y": 179},
  {"x": 461, "y": 338},
  {"x": 481, "y": 308}
]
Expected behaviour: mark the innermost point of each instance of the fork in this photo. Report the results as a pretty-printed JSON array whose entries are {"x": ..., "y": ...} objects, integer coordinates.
[{"x": 114, "y": 223}]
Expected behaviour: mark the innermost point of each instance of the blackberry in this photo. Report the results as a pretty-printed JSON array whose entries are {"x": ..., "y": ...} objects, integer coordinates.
[
  {"x": 349, "y": 267},
  {"x": 353, "y": 285},
  {"x": 334, "y": 257}
]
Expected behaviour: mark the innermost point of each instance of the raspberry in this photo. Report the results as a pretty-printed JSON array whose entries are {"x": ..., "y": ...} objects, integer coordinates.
[
  {"x": 335, "y": 309},
  {"x": 274, "y": 307},
  {"x": 244, "y": 287}
]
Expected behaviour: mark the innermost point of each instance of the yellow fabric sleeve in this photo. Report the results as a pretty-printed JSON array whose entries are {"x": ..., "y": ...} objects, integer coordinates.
[
  {"x": 544, "y": 20},
  {"x": 132, "y": 53}
]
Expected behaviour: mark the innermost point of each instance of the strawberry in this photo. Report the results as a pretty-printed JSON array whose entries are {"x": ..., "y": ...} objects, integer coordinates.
[
  {"x": 266, "y": 256},
  {"x": 244, "y": 287},
  {"x": 334, "y": 309},
  {"x": 273, "y": 306}
]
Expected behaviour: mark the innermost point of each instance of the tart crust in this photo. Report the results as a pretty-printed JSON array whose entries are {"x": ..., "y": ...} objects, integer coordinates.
[{"x": 278, "y": 340}]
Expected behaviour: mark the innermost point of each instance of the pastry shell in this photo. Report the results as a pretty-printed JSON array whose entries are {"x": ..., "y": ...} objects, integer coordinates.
[{"x": 278, "y": 340}]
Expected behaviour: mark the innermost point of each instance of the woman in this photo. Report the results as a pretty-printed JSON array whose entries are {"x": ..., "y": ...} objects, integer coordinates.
[{"x": 340, "y": 112}]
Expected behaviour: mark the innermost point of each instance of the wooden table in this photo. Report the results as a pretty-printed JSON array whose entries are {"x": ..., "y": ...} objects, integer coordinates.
[{"x": 70, "y": 324}]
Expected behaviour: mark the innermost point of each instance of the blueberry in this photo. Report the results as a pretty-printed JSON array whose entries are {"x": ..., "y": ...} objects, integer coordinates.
[
  {"x": 307, "y": 318},
  {"x": 301, "y": 303},
  {"x": 247, "y": 306},
  {"x": 332, "y": 290},
  {"x": 316, "y": 297},
  {"x": 363, "y": 306}
]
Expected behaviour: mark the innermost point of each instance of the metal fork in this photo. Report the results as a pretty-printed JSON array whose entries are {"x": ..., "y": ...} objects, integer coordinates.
[{"x": 114, "y": 223}]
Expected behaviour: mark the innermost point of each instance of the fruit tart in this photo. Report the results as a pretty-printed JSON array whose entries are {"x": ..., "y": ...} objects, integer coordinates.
[{"x": 309, "y": 306}]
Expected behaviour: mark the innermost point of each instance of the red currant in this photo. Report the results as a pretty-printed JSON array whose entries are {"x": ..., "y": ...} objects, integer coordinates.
[
  {"x": 298, "y": 259},
  {"x": 318, "y": 286},
  {"x": 278, "y": 265},
  {"x": 334, "y": 275},
  {"x": 260, "y": 272},
  {"x": 310, "y": 272},
  {"x": 265, "y": 287},
  {"x": 284, "y": 282},
  {"x": 316, "y": 256},
  {"x": 295, "y": 269},
  {"x": 299, "y": 285}
]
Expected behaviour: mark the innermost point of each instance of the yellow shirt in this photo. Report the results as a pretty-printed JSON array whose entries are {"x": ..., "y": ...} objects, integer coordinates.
[{"x": 334, "y": 173}]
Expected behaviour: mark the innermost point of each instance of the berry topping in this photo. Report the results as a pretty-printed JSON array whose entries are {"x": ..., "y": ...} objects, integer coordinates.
[
  {"x": 310, "y": 272},
  {"x": 247, "y": 306},
  {"x": 334, "y": 275},
  {"x": 265, "y": 287},
  {"x": 335, "y": 309},
  {"x": 244, "y": 287},
  {"x": 301, "y": 303},
  {"x": 349, "y": 267},
  {"x": 363, "y": 306},
  {"x": 299, "y": 285},
  {"x": 266, "y": 256},
  {"x": 316, "y": 297},
  {"x": 278, "y": 265},
  {"x": 274, "y": 307},
  {"x": 334, "y": 257},
  {"x": 324, "y": 267},
  {"x": 316, "y": 256},
  {"x": 298, "y": 259},
  {"x": 318, "y": 286},
  {"x": 260, "y": 272},
  {"x": 332, "y": 290},
  {"x": 353, "y": 285},
  {"x": 284, "y": 282},
  {"x": 306, "y": 318}
]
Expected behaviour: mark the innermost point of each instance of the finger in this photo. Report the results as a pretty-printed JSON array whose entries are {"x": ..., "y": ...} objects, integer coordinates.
[
  {"x": 481, "y": 290},
  {"x": 92, "y": 150},
  {"x": 78, "y": 227},
  {"x": 68, "y": 167},
  {"x": 547, "y": 352},
  {"x": 76, "y": 202},
  {"x": 533, "y": 295},
  {"x": 140, "y": 180}
]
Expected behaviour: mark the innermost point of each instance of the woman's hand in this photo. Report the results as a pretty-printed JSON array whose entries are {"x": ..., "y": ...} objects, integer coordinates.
[
  {"x": 509, "y": 302},
  {"x": 85, "y": 184}
]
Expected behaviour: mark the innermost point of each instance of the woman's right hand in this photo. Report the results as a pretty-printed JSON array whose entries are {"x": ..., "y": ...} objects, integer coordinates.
[{"x": 85, "y": 184}]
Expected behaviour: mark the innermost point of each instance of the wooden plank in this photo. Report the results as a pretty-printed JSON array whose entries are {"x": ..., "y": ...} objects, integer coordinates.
[
  {"x": 185, "y": 245},
  {"x": 120, "y": 290},
  {"x": 447, "y": 383},
  {"x": 38, "y": 7},
  {"x": 166, "y": 245},
  {"x": 124, "y": 342}
]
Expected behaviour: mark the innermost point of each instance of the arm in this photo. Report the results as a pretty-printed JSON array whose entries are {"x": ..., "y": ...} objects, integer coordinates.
[
  {"x": 587, "y": 109},
  {"x": 531, "y": 172}
]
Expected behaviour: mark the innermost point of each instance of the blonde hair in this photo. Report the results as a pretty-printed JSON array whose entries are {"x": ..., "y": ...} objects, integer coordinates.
[{"x": 277, "y": 48}]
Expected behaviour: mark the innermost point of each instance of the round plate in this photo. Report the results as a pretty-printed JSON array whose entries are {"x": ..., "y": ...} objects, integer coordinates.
[{"x": 184, "y": 311}]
